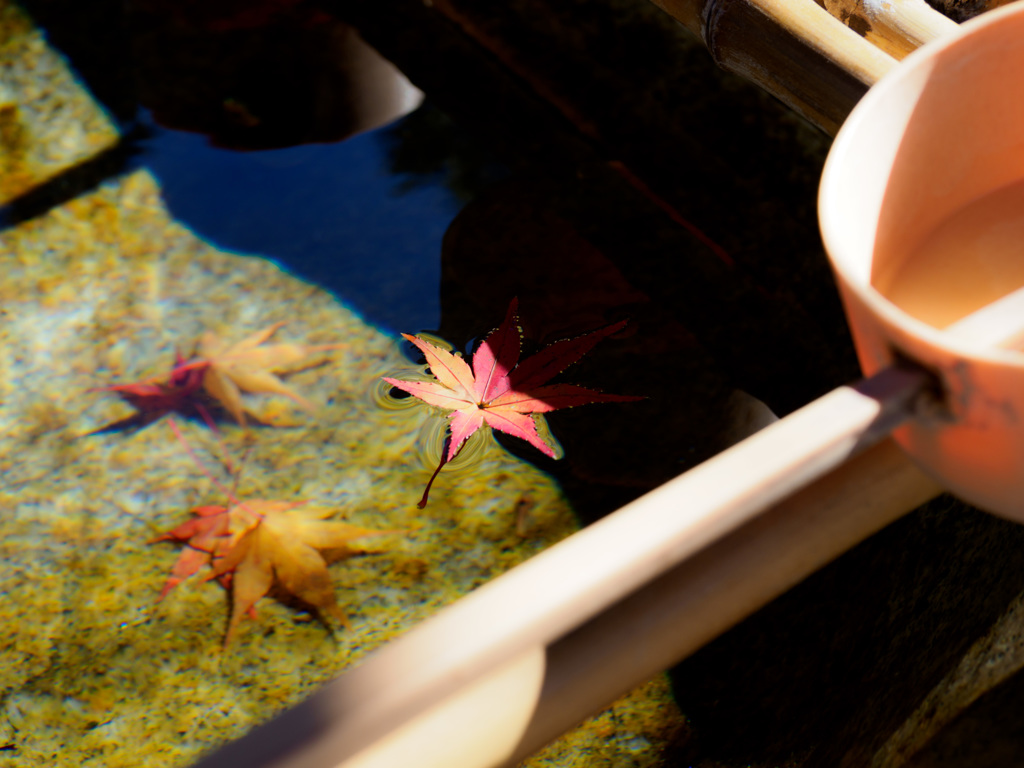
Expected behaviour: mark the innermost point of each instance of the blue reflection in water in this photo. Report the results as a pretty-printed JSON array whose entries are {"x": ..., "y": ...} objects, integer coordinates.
[{"x": 329, "y": 213}]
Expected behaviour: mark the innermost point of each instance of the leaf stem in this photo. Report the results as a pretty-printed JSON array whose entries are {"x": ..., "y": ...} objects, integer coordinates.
[
  {"x": 444, "y": 460},
  {"x": 202, "y": 467}
]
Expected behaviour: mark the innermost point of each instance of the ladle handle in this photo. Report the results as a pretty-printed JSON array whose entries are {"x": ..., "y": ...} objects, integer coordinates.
[{"x": 489, "y": 646}]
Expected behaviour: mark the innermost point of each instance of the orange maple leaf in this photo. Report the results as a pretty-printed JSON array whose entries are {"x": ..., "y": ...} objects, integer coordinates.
[
  {"x": 254, "y": 545},
  {"x": 219, "y": 371}
]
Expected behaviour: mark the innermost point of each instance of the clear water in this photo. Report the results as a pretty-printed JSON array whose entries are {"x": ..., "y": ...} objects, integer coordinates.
[
  {"x": 971, "y": 259},
  {"x": 218, "y": 191},
  {"x": 103, "y": 287}
]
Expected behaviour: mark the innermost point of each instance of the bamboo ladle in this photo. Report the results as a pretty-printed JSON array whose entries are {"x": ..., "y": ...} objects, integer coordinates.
[{"x": 500, "y": 672}]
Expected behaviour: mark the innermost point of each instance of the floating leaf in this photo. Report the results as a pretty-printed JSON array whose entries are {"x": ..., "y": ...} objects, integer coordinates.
[{"x": 499, "y": 390}]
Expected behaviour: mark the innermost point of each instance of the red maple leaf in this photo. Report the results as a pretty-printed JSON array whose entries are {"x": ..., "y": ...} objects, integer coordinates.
[
  {"x": 181, "y": 392},
  {"x": 218, "y": 375},
  {"x": 500, "y": 390}
]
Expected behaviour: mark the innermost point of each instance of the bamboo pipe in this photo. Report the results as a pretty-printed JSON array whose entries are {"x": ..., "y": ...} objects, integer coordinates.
[
  {"x": 794, "y": 49},
  {"x": 813, "y": 59},
  {"x": 373, "y": 716},
  {"x": 680, "y": 612},
  {"x": 895, "y": 26},
  {"x": 516, "y": 709}
]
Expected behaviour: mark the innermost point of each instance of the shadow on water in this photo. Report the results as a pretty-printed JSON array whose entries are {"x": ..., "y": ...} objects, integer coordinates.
[
  {"x": 333, "y": 214},
  {"x": 293, "y": 83}
]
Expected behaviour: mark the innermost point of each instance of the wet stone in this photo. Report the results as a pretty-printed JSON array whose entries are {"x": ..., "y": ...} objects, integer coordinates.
[
  {"x": 48, "y": 121},
  {"x": 93, "y": 668}
]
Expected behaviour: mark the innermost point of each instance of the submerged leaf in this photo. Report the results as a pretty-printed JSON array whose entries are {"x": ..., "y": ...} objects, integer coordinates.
[
  {"x": 255, "y": 545},
  {"x": 248, "y": 366},
  {"x": 181, "y": 392},
  {"x": 220, "y": 373}
]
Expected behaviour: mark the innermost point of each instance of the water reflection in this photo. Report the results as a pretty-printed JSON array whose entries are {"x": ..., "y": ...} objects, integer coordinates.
[
  {"x": 329, "y": 213},
  {"x": 260, "y": 75}
]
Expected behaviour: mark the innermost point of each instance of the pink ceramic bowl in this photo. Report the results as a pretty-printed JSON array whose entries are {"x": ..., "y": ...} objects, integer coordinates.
[{"x": 944, "y": 129}]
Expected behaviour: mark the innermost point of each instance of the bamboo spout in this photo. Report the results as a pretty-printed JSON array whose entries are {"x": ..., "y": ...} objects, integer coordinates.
[
  {"x": 794, "y": 49},
  {"x": 896, "y": 26}
]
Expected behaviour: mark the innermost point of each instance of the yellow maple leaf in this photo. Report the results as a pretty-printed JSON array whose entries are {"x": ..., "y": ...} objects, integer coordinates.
[
  {"x": 255, "y": 545},
  {"x": 249, "y": 365}
]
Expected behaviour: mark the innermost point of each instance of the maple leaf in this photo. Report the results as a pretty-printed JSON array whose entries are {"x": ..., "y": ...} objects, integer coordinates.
[
  {"x": 181, "y": 392},
  {"x": 206, "y": 537},
  {"x": 254, "y": 545},
  {"x": 248, "y": 366},
  {"x": 220, "y": 372},
  {"x": 501, "y": 391}
]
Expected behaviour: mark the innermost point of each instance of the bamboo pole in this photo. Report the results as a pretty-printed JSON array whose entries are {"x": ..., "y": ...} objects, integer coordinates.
[
  {"x": 455, "y": 677},
  {"x": 817, "y": 60},
  {"x": 794, "y": 49},
  {"x": 895, "y": 26},
  {"x": 522, "y": 704}
]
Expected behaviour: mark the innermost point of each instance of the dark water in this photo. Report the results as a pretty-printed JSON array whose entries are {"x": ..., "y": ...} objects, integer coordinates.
[{"x": 332, "y": 214}]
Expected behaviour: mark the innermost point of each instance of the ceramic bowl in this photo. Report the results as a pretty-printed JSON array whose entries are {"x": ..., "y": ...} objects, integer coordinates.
[{"x": 942, "y": 130}]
